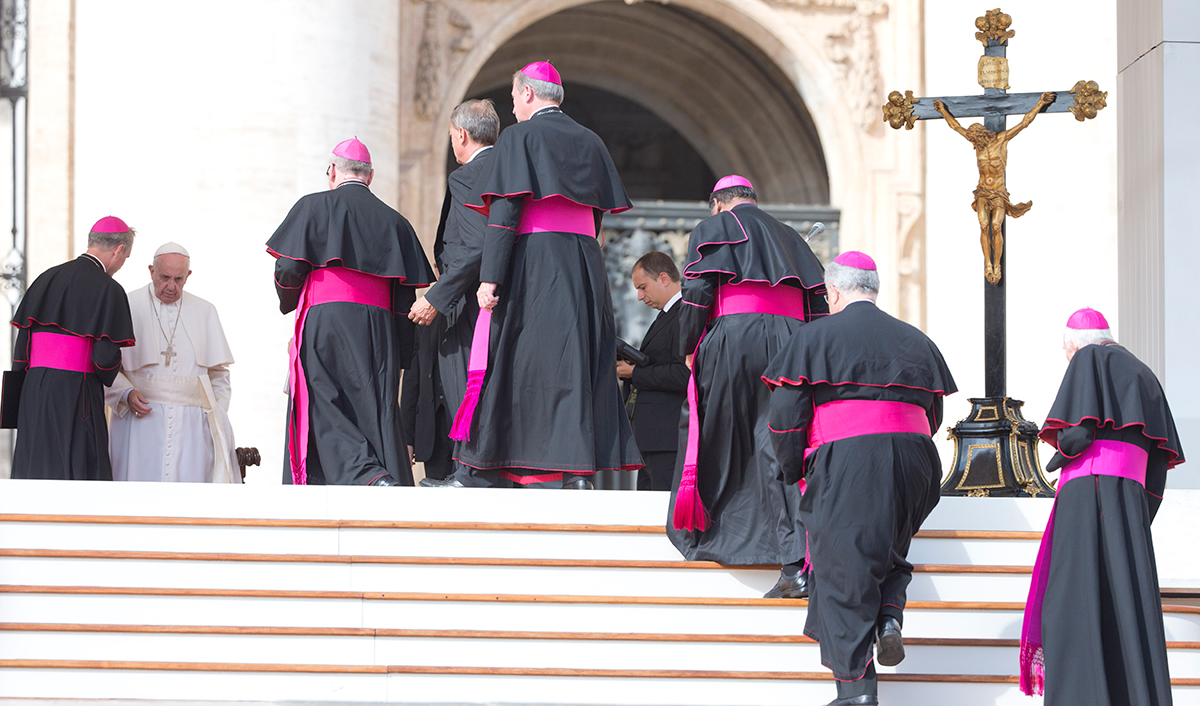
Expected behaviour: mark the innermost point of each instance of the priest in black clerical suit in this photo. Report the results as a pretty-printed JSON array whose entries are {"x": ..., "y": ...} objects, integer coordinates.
[
  {"x": 71, "y": 326},
  {"x": 423, "y": 406},
  {"x": 655, "y": 392},
  {"x": 450, "y": 306}
]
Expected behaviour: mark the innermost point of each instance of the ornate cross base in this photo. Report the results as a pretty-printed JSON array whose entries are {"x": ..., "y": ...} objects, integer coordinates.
[{"x": 996, "y": 453}]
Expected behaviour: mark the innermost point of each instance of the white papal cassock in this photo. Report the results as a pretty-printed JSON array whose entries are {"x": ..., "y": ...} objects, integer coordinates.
[{"x": 187, "y": 435}]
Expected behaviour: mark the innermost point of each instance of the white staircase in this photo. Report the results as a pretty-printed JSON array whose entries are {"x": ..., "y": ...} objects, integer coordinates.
[{"x": 413, "y": 595}]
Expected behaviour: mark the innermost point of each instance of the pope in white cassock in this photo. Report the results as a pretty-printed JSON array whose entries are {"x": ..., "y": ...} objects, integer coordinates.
[{"x": 170, "y": 401}]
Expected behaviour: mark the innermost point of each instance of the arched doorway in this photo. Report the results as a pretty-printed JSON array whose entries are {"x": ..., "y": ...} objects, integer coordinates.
[
  {"x": 679, "y": 100},
  {"x": 668, "y": 65}
]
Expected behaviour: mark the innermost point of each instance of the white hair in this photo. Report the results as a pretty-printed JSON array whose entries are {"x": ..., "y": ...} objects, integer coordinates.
[
  {"x": 1080, "y": 337},
  {"x": 352, "y": 166},
  {"x": 545, "y": 90},
  {"x": 852, "y": 279}
]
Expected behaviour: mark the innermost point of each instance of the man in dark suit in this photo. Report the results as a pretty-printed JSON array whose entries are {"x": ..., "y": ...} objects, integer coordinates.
[
  {"x": 424, "y": 414},
  {"x": 655, "y": 393},
  {"x": 458, "y": 250}
]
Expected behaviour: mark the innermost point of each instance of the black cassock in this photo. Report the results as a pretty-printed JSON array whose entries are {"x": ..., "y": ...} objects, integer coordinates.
[
  {"x": 753, "y": 514},
  {"x": 62, "y": 430},
  {"x": 352, "y": 353},
  {"x": 1102, "y": 622},
  {"x": 868, "y": 494},
  {"x": 550, "y": 403},
  {"x": 458, "y": 250}
]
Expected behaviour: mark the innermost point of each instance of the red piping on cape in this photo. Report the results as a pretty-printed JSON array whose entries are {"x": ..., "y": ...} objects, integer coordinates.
[
  {"x": 124, "y": 343},
  {"x": 1059, "y": 425},
  {"x": 805, "y": 381},
  {"x": 399, "y": 280},
  {"x": 486, "y": 206}
]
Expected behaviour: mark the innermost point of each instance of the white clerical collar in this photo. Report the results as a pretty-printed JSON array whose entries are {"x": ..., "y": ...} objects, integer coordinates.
[
  {"x": 96, "y": 260},
  {"x": 671, "y": 302},
  {"x": 868, "y": 301},
  {"x": 476, "y": 153}
]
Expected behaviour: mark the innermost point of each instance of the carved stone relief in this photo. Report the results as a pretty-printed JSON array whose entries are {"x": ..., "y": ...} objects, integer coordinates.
[
  {"x": 854, "y": 50},
  {"x": 910, "y": 232},
  {"x": 437, "y": 61}
]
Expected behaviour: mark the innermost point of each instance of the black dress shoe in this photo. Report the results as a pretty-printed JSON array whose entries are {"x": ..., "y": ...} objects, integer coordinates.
[
  {"x": 450, "y": 482},
  {"x": 864, "y": 700},
  {"x": 579, "y": 484},
  {"x": 889, "y": 644},
  {"x": 789, "y": 587},
  {"x": 384, "y": 481}
]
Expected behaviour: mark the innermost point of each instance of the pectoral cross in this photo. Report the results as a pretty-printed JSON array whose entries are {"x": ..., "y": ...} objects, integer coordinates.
[
  {"x": 169, "y": 353},
  {"x": 995, "y": 419}
]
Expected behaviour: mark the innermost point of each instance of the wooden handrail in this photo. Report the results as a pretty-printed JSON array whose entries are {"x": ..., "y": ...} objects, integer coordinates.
[
  {"x": 432, "y": 525},
  {"x": 458, "y": 561}
]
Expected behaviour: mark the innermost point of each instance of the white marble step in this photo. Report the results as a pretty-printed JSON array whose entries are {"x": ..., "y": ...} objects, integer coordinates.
[
  {"x": 439, "y": 689},
  {"x": 435, "y": 542},
  {"x": 945, "y": 621},
  {"x": 441, "y": 578},
  {"x": 501, "y": 652}
]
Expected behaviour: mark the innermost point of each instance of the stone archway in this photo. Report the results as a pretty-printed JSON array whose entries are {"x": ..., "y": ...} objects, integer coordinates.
[
  {"x": 714, "y": 87},
  {"x": 784, "y": 91}
]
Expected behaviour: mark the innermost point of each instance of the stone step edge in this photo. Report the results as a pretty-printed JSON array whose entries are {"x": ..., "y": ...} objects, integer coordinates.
[
  {"x": 100, "y": 554},
  {"x": 432, "y": 525},
  {"x": 501, "y": 671},
  {"x": 500, "y": 597},
  {"x": 495, "y": 634}
]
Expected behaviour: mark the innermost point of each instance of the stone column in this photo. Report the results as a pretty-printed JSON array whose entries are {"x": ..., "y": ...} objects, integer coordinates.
[
  {"x": 51, "y": 135},
  {"x": 1158, "y": 47}
]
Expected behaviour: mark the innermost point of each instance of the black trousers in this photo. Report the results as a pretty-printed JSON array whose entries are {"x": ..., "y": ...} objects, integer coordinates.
[{"x": 657, "y": 473}]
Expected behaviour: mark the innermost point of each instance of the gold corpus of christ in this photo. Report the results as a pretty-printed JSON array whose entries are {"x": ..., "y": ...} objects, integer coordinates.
[{"x": 991, "y": 201}]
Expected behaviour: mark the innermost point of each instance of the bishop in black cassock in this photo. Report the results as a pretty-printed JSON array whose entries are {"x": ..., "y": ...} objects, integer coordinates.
[
  {"x": 348, "y": 265},
  {"x": 858, "y": 396},
  {"x": 749, "y": 283},
  {"x": 545, "y": 407},
  {"x": 1093, "y": 622},
  {"x": 71, "y": 326}
]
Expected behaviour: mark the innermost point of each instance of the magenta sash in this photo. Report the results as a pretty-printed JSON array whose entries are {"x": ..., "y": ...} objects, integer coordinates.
[
  {"x": 556, "y": 214},
  {"x": 61, "y": 351},
  {"x": 843, "y": 419},
  {"x": 322, "y": 286},
  {"x": 742, "y": 298},
  {"x": 553, "y": 214},
  {"x": 1103, "y": 457}
]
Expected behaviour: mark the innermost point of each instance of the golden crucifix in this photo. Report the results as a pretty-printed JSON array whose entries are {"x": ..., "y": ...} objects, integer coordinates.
[
  {"x": 991, "y": 139},
  {"x": 991, "y": 196}
]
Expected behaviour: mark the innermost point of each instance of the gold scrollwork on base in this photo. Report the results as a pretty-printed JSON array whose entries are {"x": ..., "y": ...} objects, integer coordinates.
[
  {"x": 992, "y": 414},
  {"x": 898, "y": 111},
  {"x": 971, "y": 449},
  {"x": 1021, "y": 471},
  {"x": 994, "y": 27},
  {"x": 978, "y": 493},
  {"x": 1089, "y": 100}
]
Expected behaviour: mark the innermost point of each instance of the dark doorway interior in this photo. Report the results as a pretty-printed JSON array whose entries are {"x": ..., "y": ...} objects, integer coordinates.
[{"x": 654, "y": 161}]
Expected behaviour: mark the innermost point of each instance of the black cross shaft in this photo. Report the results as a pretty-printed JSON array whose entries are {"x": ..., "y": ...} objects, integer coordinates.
[{"x": 994, "y": 106}]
